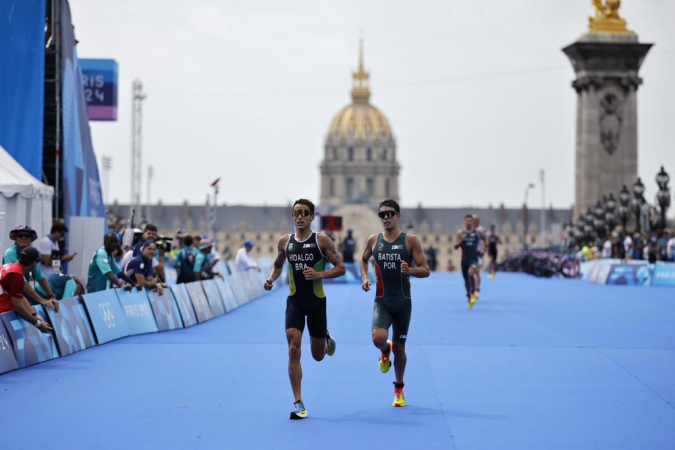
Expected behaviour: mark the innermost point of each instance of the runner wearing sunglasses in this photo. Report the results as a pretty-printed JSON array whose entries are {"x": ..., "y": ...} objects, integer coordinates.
[
  {"x": 393, "y": 251},
  {"x": 306, "y": 253}
]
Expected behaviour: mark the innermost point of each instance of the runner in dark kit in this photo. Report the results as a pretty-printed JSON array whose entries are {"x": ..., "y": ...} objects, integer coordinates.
[
  {"x": 467, "y": 239},
  {"x": 394, "y": 252},
  {"x": 306, "y": 253},
  {"x": 493, "y": 241}
]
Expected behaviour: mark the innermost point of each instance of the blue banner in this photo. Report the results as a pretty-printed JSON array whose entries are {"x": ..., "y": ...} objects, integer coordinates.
[
  {"x": 100, "y": 88},
  {"x": 81, "y": 183},
  {"x": 664, "y": 274},
  {"x": 236, "y": 284},
  {"x": 106, "y": 316},
  {"x": 22, "y": 76},
  {"x": 187, "y": 311},
  {"x": 31, "y": 346},
  {"x": 226, "y": 293},
  {"x": 166, "y": 310},
  {"x": 213, "y": 296},
  {"x": 632, "y": 274},
  {"x": 202, "y": 308},
  {"x": 136, "y": 307},
  {"x": 71, "y": 326},
  {"x": 7, "y": 358}
]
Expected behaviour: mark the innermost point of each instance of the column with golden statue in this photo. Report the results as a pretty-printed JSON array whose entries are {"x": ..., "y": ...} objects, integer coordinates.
[{"x": 606, "y": 60}]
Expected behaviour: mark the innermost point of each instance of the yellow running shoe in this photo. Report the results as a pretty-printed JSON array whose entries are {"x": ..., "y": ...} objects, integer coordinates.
[
  {"x": 330, "y": 344},
  {"x": 385, "y": 360},
  {"x": 491, "y": 276},
  {"x": 473, "y": 299},
  {"x": 399, "y": 399},
  {"x": 299, "y": 411}
]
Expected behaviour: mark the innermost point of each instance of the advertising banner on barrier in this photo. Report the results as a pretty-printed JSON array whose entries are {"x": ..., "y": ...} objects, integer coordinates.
[
  {"x": 202, "y": 308},
  {"x": 136, "y": 307},
  {"x": 187, "y": 311},
  {"x": 237, "y": 285},
  {"x": 226, "y": 293},
  {"x": 71, "y": 326},
  {"x": 664, "y": 274},
  {"x": 31, "y": 346},
  {"x": 214, "y": 297},
  {"x": 106, "y": 316},
  {"x": 7, "y": 358},
  {"x": 634, "y": 273},
  {"x": 166, "y": 310}
]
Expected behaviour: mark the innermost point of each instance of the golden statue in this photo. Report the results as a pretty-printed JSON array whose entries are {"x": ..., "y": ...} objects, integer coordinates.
[{"x": 607, "y": 19}]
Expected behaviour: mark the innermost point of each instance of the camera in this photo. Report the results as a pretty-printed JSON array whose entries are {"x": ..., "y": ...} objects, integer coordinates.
[{"x": 164, "y": 243}]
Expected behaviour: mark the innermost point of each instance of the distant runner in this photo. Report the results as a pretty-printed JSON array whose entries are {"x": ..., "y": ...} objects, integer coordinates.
[
  {"x": 467, "y": 240},
  {"x": 493, "y": 241}
]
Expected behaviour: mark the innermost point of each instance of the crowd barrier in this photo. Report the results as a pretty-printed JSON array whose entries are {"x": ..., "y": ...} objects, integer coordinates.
[
  {"x": 630, "y": 272},
  {"x": 101, "y": 317}
]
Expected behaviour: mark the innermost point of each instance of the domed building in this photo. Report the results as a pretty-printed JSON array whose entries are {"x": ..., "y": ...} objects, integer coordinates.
[{"x": 359, "y": 163}]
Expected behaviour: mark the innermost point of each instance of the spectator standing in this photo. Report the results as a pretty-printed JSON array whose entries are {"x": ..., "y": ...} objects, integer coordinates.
[
  {"x": 103, "y": 268},
  {"x": 23, "y": 237},
  {"x": 663, "y": 246},
  {"x": 50, "y": 250},
  {"x": 185, "y": 262},
  {"x": 12, "y": 281},
  {"x": 243, "y": 261},
  {"x": 349, "y": 247},
  {"x": 139, "y": 268},
  {"x": 671, "y": 246},
  {"x": 628, "y": 246},
  {"x": 607, "y": 248}
]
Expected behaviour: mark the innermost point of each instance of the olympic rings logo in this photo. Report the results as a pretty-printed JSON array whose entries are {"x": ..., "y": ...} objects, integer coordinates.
[{"x": 107, "y": 314}]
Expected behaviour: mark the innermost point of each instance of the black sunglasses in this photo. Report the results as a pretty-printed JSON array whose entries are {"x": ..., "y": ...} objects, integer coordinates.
[
  {"x": 301, "y": 213},
  {"x": 387, "y": 214},
  {"x": 23, "y": 236}
]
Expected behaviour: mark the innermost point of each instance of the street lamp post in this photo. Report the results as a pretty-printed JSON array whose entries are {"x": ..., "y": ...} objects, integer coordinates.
[
  {"x": 663, "y": 197},
  {"x": 638, "y": 200},
  {"x": 610, "y": 215},
  {"x": 624, "y": 200},
  {"x": 599, "y": 219},
  {"x": 527, "y": 214}
]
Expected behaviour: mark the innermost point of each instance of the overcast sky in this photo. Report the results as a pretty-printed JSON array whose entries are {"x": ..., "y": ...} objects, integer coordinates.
[{"x": 478, "y": 93}]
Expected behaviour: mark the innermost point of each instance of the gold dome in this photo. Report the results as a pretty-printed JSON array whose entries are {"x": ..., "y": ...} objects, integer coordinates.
[{"x": 360, "y": 120}]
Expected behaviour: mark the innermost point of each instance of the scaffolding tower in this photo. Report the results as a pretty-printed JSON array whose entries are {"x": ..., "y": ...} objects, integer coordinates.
[{"x": 137, "y": 147}]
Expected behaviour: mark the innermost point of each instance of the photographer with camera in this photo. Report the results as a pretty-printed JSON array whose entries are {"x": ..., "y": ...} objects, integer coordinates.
[{"x": 140, "y": 268}]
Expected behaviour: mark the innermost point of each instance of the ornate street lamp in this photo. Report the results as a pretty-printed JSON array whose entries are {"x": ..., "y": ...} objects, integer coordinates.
[
  {"x": 610, "y": 215},
  {"x": 663, "y": 197},
  {"x": 599, "y": 219},
  {"x": 638, "y": 201},
  {"x": 624, "y": 200}
]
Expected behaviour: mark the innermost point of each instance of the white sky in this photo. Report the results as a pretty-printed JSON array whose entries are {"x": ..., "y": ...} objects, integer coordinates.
[{"x": 478, "y": 93}]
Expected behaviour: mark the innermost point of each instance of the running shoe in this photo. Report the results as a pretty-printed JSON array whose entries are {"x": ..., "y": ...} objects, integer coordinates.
[
  {"x": 473, "y": 299},
  {"x": 492, "y": 275},
  {"x": 299, "y": 411},
  {"x": 330, "y": 344},
  {"x": 468, "y": 302},
  {"x": 399, "y": 399},
  {"x": 385, "y": 361}
]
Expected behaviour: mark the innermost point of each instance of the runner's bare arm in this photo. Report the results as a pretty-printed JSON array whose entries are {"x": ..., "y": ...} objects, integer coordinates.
[
  {"x": 459, "y": 237},
  {"x": 278, "y": 265},
  {"x": 327, "y": 247},
  {"x": 415, "y": 249},
  {"x": 363, "y": 262}
]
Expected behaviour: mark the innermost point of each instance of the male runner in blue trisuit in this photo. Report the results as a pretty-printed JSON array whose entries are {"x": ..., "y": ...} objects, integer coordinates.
[
  {"x": 306, "y": 253},
  {"x": 394, "y": 252}
]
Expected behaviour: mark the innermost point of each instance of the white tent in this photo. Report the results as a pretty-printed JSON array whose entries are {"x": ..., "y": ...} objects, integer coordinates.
[{"x": 24, "y": 200}]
